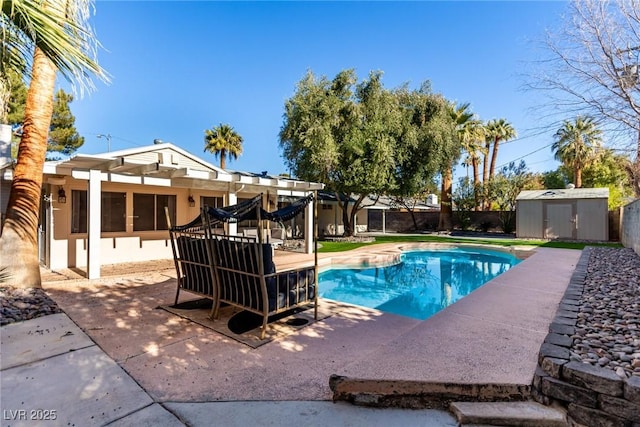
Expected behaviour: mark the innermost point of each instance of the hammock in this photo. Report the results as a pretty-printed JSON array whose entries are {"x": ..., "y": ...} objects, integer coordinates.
[{"x": 247, "y": 210}]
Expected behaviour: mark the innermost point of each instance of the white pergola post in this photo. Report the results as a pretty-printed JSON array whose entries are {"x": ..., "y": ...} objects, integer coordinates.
[
  {"x": 308, "y": 227},
  {"x": 384, "y": 221},
  {"x": 93, "y": 225},
  {"x": 355, "y": 224},
  {"x": 232, "y": 227}
]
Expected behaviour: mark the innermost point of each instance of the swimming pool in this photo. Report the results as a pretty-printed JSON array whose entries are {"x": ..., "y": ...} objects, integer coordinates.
[{"x": 421, "y": 284}]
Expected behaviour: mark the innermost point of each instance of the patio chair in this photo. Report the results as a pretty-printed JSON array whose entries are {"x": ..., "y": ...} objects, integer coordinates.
[
  {"x": 247, "y": 279},
  {"x": 191, "y": 255}
]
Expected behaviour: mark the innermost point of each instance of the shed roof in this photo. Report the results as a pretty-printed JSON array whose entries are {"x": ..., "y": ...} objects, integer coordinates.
[{"x": 564, "y": 194}]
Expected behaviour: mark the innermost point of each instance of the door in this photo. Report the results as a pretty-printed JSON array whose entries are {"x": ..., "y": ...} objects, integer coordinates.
[
  {"x": 559, "y": 221},
  {"x": 43, "y": 227}
]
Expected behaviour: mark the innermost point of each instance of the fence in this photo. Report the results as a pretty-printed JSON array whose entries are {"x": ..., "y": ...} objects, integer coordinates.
[{"x": 630, "y": 228}]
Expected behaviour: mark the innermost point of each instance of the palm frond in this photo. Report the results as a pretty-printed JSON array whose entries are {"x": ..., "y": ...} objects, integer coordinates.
[{"x": 60, "y": 28}]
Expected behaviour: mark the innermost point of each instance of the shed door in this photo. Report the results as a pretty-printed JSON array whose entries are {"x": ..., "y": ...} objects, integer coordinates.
[{"x": 559, "y": 222}]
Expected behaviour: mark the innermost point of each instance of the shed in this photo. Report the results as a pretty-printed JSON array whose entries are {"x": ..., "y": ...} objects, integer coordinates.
[{"x": 575, "y": 214}]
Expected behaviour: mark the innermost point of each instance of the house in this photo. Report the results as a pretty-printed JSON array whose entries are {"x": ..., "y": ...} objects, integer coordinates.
[
  {"x": 110, "y": 208},
  {"x": 572, "y": 213},
  {"x": 400, "y": 215},
  {"x": 330, "y": 221},
  {"x": 330, "y": 214}
]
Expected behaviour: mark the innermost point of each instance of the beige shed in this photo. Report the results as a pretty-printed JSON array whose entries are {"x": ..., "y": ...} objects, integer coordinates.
[{"x": 575, "y": 214}]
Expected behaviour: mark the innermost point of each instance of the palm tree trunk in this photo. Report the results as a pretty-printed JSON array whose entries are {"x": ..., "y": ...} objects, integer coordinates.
[
  {"x": 476, "y": 182},
  {"x": 485, "y": 175},
  {"x": 19, "y": 239},
  {"x": 494, "y": 158},
  {"x": 223, "y": 156},
  {"x": 578, "y": 177},
  {"x": 445, "y": 221}
]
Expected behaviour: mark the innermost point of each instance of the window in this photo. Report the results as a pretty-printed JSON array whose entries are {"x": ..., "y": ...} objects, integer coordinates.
[
  {"x": 149, "y": 213},
  {"x": 327, "y": 207},
  {"x": 114, "y": 211},
  {"x": 113, "y": 215},
  {"x": 214, "y": 202},
  {"x": 78, "y": 211}
]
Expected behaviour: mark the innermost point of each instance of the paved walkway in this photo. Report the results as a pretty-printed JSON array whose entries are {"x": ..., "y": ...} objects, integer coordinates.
[{"x": 130, "y": 364}]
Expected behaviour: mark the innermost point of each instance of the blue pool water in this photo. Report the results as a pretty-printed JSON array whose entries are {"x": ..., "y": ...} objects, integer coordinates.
[{"x": 423, "y": 283}]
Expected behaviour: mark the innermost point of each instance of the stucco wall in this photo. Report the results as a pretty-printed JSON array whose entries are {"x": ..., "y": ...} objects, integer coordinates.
[
  {"x": 330, "y": 219},
  {"x": 630, "y": 233},
  {"x": 70, "y": 249}
]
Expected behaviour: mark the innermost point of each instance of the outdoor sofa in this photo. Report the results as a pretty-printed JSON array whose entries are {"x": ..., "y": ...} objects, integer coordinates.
[{"x": 237, "y": 270}]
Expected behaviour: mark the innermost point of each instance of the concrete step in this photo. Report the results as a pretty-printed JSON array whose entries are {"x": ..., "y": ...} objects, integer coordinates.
[{"x": 516, "y": 414}]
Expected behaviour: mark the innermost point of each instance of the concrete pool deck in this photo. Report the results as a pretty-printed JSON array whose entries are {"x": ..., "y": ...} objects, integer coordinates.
[{"x": 487, "y": 341}]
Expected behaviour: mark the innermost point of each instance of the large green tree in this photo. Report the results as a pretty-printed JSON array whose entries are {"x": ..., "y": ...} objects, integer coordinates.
[
  {"x": 344, "y": 134},
  {"x": 17, "y": 98},
  {"x": 577, "y": 145},
  {"x": 361, "y": 139},
  {"x": 39, "y": 38},
  {"x": 63, "y": 136},
  {"x": 610, "y": 170},
  {"x": 423, "y": 147},
  {"x": 223, "y": 141}
]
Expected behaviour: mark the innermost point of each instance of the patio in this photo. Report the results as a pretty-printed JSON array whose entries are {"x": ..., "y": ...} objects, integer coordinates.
[{"x": 486, "y": 343}]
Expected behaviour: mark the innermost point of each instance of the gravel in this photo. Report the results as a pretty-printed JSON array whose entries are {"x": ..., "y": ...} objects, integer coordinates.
[
  {"x": 25, "y": 304},
  {"x": 608, "y": 324}
]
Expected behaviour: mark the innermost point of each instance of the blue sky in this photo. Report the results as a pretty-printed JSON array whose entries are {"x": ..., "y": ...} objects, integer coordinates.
[{"x": 179, "y": 68}]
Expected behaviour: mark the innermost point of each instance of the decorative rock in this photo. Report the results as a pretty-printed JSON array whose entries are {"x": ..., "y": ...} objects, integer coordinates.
[
  {"x": 557, "y": 339},
  {"x": 24, "y": 304},
  {"x": 632, "y": 389},
  {"x": 620, "y": 407},
  {"x": 553, "y": 366},
  {"x": 607, "y": 331},
  {"x": 551, "y": 350},
  {"x": 592, "y": 417},
  {"x": 593, "y": 378},
  {"x": 568, "y": 393}
]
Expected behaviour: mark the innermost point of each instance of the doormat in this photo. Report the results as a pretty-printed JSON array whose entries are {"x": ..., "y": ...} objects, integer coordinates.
[{"x": 244, "y": 326}]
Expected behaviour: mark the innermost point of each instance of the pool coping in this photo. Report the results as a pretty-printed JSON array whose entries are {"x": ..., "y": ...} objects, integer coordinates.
[
  {"x": 422, "y": 389},
  {"x": 389, "y": 254}
]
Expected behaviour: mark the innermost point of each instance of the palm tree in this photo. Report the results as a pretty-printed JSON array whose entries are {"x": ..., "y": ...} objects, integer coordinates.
[
  {"x": 51, "y": 36},
  {"x": 496, "y": 130},
  {"x": 471, "y": 135},
  {"x": 223, "y": 141},
  {"x": 577, "y": 145},
  {"x": 460, "y": 116}
]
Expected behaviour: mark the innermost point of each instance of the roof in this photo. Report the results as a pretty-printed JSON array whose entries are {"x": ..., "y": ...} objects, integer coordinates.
[
  {"x": 167, "y": 164},
  {"x": 564, "y": 194}
]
